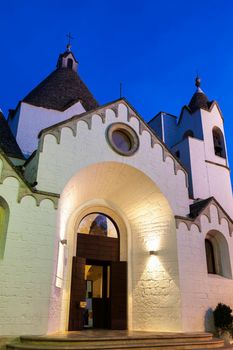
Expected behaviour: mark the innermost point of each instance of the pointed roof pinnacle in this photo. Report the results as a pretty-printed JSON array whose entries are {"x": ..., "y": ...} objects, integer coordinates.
[
  {"x": 68, "y": 46},
  {"x": 198, "y": 84},
  {"x": 198, "y": 81},
  {"x": 199, "y": 99}
]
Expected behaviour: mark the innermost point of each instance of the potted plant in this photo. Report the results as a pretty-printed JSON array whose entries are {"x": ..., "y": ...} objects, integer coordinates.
[{"x": 223, "y": 321}]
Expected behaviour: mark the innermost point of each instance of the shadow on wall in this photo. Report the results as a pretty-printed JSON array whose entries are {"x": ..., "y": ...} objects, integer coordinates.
[{"x": 209, "y": 321}]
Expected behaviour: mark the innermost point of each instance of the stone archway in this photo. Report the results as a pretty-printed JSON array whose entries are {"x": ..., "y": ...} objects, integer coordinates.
[
  {"x": 99, "y": 279},
  {"x": 146, "y": 224}
]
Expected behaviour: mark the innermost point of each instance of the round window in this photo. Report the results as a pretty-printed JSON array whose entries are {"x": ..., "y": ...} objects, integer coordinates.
[{"x": 123, "y": 139}]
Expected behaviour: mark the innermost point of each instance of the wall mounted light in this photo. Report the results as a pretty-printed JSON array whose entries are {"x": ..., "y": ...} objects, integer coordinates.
[
  {"x": 152, "y": 252},
  {"x": 63, "y": 241}
]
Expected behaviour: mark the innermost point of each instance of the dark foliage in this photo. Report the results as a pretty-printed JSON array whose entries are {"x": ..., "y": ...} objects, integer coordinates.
[{"x": 223, "y": 318}]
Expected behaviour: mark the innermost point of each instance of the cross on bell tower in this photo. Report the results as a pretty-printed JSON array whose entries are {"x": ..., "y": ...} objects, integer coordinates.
[
  {"x": 67, "y": 58},
  {"x": 68, "y": 46}
]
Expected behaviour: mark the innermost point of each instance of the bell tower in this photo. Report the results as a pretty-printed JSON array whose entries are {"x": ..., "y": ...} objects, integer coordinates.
[
  {"x": 202, "y": 149},
  {"x": 197, "y": 138},
  {"x": 67, "y": 60}
]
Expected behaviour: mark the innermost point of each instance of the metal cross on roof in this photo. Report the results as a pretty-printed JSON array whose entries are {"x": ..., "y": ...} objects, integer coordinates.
[{"x": 69, "y": 41}]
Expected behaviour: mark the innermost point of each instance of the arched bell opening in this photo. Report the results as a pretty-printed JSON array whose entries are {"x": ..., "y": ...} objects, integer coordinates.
[{"x": 219, "y": 144}]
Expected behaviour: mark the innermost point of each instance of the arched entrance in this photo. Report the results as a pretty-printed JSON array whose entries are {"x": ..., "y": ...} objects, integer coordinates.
[
  {"x": 99, "y": 279},
  {"x": 146, "y": 223}
]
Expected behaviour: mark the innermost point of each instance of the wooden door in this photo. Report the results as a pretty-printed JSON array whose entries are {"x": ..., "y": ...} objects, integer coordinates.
[
  {"x": 78, "y": 294},
  {"x": 118, "y": 294}
]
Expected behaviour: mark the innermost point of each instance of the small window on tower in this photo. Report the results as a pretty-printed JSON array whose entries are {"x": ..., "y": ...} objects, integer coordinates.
[
  {"x": 177, "y": 154},
  {"x": 210, "y": 260},
  {"x": 70, "y": 63},
  {"x": 218, "y": 139}
]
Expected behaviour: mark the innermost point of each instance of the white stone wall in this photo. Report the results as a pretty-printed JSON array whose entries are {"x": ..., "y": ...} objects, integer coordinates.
[
  {"x": 209, "y": 121},
  {"x": 145, "y": 192},
  {"x": 201, "y": 292},
  {"x": 200, "y": 178},
  {"x": 170, "y": 129},
  {"x": 64, "y": 61},
  {"x": 30, "y": 168},
  {"x": 30, "y": 120},
  {"x": 27, "y": 265},
  {"x": 148, "y": 224},
  {"x": 167, "y": 292},
  {"x": 209, "y": 173},
  {"x": 165, "y": 126},
  {"x": 157, "y": 125},
  {"x": 173, "y": 129},
  {"x": 218, "y": 176},
  {"x": 90, "y": 146},
  {"x": 192, "y": 122},
  {"x": 184, "y": 150}
]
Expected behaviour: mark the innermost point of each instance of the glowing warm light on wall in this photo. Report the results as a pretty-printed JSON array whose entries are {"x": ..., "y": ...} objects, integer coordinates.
[
  {"x": 153, "y": 243},
  {"x": 152, "y": 252},
  {"x": 153, "y": 262}
]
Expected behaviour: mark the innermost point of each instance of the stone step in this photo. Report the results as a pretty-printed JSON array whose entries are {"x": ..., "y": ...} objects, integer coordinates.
[
  {"x": 118, "y": 340},
  {"x": 125, "y": 345},
  {"x": 135, "y": 338}
]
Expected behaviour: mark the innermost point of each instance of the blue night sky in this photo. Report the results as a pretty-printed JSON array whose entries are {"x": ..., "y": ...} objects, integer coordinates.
[{"x": 154, "y": 47}]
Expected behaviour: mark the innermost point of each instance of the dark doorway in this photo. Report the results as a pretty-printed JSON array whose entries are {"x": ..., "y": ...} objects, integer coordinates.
[
  {"x": 99, "y": 279},
  {"x": 97, "y": 311}
]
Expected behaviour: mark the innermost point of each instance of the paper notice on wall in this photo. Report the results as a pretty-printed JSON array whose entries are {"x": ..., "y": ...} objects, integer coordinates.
[{"x": 60, "y": 265}]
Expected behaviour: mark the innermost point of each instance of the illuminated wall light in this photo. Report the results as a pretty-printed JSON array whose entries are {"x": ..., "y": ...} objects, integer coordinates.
[{"x": 153, "y": 252}]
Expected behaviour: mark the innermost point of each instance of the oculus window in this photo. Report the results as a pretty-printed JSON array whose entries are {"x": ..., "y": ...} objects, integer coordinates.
[{"x": 122, "y": 139}]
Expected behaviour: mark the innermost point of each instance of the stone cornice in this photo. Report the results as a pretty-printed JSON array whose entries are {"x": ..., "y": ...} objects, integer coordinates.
[
  {"x": 188, "y": 221},
  {"x": 213, "y": 103},
  {"x": 218, "y": 164},
  {"x": 86, "y": 117},
  {"x": 25, "y": 189}
]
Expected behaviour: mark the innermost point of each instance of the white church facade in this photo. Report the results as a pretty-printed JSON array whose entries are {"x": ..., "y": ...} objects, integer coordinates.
[{"x": 107, "y": 221}]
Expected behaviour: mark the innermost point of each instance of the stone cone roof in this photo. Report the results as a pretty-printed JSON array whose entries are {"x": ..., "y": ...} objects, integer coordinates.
[
  {"x": 60, "y": 90},
  {"x": 199, "y": 100}
]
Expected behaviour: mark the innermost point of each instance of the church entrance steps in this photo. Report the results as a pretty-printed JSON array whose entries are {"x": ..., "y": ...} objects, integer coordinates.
[{"x": 118, "y": 340}]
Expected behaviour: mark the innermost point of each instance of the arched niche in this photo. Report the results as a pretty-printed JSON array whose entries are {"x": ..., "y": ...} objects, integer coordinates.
[
  {"x": 4, "y": 219},
  {"x": 70, "y": 63},
  {"x": 217, "y": 254},
  {"x": 218, "y": 141}
]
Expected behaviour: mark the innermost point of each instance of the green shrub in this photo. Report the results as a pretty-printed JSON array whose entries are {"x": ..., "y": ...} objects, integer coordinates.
[{"x": 223, "y": 318}]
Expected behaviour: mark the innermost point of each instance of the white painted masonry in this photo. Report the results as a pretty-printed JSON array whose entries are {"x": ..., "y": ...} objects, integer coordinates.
[
  {"x": 201, "y": 292},
  {"x": 159, "y": 203},
  {"x": 27, "y": 264},
  {"x": 90, "y": 167},
  {"x": 30, "y": 120}
]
